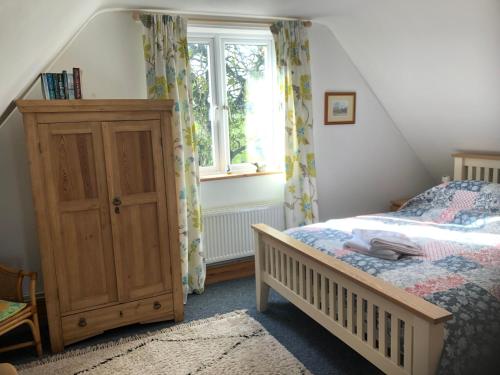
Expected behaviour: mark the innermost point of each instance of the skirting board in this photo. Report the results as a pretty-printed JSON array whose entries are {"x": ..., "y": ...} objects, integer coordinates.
[{"x": 234, "y": 269}]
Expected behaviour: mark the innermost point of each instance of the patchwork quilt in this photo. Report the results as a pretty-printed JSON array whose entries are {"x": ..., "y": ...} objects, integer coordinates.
[{"x": 457, "y": 224}]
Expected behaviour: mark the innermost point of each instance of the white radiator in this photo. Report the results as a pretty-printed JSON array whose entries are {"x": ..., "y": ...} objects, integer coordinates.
[{"x": 227, "y": 232}]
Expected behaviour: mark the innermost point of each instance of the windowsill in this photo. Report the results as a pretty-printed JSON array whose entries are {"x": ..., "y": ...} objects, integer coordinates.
[{"x": 226, "y": 176}]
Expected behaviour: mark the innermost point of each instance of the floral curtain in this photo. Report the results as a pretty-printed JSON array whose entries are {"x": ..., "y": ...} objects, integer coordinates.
[
  {"x": 293, "y": 59},
  {"x": 168, "y": 77}
]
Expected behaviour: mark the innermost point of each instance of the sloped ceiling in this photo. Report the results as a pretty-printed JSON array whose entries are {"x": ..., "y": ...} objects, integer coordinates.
[
  {"x": 31, "y": 34},
  {"x": 434, "y": 65}
]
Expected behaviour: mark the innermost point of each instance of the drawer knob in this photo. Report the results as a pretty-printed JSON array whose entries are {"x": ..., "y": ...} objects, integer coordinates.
[
  {"x": 157, "y": 305},
  {"x": 82, "y": 322}
]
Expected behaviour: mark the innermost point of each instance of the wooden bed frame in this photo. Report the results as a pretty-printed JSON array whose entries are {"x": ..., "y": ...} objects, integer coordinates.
[{"x": 350, "y": 303}]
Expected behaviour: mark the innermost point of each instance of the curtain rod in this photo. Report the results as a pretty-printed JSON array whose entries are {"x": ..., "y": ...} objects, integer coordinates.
[{"x": 219, "y": 17}]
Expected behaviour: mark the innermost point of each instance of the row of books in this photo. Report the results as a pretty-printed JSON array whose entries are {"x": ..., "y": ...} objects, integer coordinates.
[{"x": 62, "y": 85}]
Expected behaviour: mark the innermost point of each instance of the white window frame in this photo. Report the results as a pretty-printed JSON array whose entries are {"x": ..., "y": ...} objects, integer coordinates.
[
  {"x": 213, "y": 115},
  {"x": 217, "y": 38}
]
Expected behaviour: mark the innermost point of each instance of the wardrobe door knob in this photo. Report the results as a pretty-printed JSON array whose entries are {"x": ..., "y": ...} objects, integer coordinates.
[
  {"x": 82, "y": 322},
  {"x": 157, "y": 305}
]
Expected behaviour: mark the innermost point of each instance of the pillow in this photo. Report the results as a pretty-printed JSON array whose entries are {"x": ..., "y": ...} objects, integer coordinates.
[
  {"x": 458, "y": 195},
  {"x": 8, "y": 309}
]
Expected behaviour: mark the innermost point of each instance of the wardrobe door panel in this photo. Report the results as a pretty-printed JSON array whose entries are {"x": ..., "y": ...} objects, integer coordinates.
[
  {"x": 83, "y": 245},
  {"x": 134, "y": 163},
  {"x": 140, "y": 249},
  {"x": 79, "y": 214}
]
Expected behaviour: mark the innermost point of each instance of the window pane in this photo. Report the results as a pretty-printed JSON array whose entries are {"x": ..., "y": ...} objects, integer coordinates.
[
  {"x": 249, "y": 97},
  {"x": 199, "y": 58}
]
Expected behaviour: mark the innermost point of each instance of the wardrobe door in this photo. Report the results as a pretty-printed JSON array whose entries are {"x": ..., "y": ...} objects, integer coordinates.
[
  {"x": 136, "y": 179},
  {"x": 77, "y": 195}
]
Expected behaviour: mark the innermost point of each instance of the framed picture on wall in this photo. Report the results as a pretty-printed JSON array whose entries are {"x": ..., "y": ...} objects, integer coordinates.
[{"x": 340, "y": 108}]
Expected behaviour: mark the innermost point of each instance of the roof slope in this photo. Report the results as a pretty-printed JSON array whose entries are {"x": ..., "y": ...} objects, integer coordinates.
[
  {"x": 32, "y": 32},
  {"x": 435, "y": 65}
]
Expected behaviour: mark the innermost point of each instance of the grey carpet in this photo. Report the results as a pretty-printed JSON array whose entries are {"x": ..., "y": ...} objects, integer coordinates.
[{"x": 314, "y": 346}]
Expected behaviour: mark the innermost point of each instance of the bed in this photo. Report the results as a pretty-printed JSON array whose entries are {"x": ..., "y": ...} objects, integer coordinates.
[{"x": 419, "y": 315}]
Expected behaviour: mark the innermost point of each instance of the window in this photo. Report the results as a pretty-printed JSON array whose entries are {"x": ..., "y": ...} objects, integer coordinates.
[{"x": 234, "y": 99}]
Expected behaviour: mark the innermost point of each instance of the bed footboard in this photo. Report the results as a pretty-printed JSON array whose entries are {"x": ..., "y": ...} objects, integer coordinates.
[{"x": 398, "y": 332}]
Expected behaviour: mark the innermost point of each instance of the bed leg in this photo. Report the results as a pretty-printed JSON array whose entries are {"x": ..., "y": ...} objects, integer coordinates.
[
  {"x": 262, "y": 295},
  {"x": 261, "y": 288},
  {"x": 427, "y": 348}
]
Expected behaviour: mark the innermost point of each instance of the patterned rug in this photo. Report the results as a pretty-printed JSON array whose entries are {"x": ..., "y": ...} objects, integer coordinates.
[{"x": 232, "y": 343}]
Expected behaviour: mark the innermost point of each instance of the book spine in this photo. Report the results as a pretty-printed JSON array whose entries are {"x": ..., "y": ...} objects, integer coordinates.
[
  {"x": 52, "y": 87},
  {"x": 77, "y": 83},
  {"x": 71, "y": 87},
  {"x": 56, "y": 85},
  {"x": 60, "y": 85},
  {"x": 45, "y": 86},
  {"x": 65, "y": 83}
]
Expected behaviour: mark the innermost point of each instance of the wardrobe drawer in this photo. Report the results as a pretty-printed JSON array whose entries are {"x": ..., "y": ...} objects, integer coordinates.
[{"x": 88, "y": 323}]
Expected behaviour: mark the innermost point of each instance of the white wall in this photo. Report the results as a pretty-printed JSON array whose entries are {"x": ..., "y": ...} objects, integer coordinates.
[
  {"x": 18, "y": 241},
  {"x": 31, "y": 34},
  {"x": 435, "y": 66},
  {"x": 232, "y": 192},
  {"x": 362, "y": 167}
]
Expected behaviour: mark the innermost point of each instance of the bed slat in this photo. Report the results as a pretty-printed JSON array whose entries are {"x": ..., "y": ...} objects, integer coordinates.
[
  {"x": 394, "y": 339},
  {"x": 308, "y": 285},
  {"x": 360, "y": 316},
  {"x": 283, "y": 267},
  {"x": 271, "y": 258},
  {"x": 370, "y": 327},
  {"x": 407, "y": 347},
  {"x": 266, "y": 259},
  {"x": 331, "y": 295},
  {"x": 382, "y": 332},
  {"x": 469, "y": 173},
  {"x": 495, "y": 173},
  {"x": 340, "y": 299},
  {"x": 350, "y": 325},
  {"x": 324, "y": 290},
  {"x": 302, "y": 285},
  {"x": 316, "y": 287}
]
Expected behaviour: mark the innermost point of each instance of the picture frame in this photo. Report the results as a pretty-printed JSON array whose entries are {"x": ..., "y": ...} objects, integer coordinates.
[{"x": 340, "y": 108}]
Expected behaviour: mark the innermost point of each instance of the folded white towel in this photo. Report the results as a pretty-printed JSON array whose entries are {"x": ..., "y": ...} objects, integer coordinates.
[
  {"x": 360, "y": 246},
  {"x": 385, "y": 240},
  {"x": 382, "y": 244}
]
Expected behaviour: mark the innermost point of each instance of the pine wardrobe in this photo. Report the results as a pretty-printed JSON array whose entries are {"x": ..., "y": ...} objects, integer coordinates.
[{"x": 103, "y": 183}]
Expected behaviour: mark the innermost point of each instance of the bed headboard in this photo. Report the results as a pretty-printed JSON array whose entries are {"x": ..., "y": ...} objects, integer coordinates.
[{"x": 484, "y": 167}]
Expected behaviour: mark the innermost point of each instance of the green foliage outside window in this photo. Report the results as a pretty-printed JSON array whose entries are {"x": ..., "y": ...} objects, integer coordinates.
[
  {"x": 243, "y": 62},
  {"x": 200, "y": 79}
]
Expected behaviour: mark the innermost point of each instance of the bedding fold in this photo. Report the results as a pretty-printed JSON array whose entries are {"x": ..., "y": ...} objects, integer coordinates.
[
  {"x": 360, "y": 246},
  {"x": 382, "y": 244}
]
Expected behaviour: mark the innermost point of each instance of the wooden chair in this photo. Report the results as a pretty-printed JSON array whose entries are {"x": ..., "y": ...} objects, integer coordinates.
[{"x": 11, "y": 290}]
